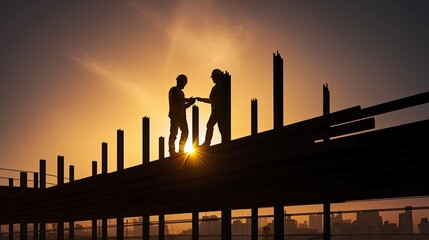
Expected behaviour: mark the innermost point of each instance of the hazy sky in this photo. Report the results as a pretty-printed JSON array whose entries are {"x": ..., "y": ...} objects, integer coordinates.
[{"x": 73, "y": 72}]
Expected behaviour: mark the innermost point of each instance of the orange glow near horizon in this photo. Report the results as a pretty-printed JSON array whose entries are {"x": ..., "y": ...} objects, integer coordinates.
[{"x": 70, "y": 80}]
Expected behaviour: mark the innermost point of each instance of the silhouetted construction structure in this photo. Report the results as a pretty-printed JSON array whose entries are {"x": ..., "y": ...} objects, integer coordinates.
[{"x": 327, "y": 159}]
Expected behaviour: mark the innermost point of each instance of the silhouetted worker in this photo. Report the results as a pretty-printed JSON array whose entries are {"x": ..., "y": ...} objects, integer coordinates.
[
  {"x": 215, "y": 99},
  {"x": 177, "y": 113}
]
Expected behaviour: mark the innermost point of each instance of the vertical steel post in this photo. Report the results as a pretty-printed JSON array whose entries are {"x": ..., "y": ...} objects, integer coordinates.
[
  {"x": 60, "y": 181},
  {"x": 71, "y": 223},
  {"x": 254, "y": 116},
  {"x": 226, "y": 107},
  {"x": 11, "y": 224},
  {"x": 326, "y": 103},
  {"x": 60, "y": 228},
  {"x": 104, "y": 158},
  {"x": 278, "y": 90},
  {"x": 104, "y": 228},
  {"x": 145, "y": 154},
  {"x": 195, "y": 225},
  {"x": 23, "y": 189},
  {"x": 94, "y": 229},
  {"x": 326, "y": 203},
  {"x": 120, "y": 225},
  {"x": 120, "y": 150},
  {"x": 226, "y": 214},
  {"x": 42, "y": 169},
  {"x": 60, "y": 170},
  {"x": 94, "y": 221},
  {"x": 36, "y": 180},
  {"x": 195, "y": 127},
  {"x": 326, "y": 221},
  {"x": 23, "y": 182},
  {"x": 94, "y": 168},
  {"x": 161, "y": 150},
  {"x": 254, "y": 224},
  {"x": 278, "y": 216},
  {"x": 146, "y": 226},
  {"x": 161, "y": 226},
  {"x": 10, "y": 231},
  {"x": 71, "y": 173}
]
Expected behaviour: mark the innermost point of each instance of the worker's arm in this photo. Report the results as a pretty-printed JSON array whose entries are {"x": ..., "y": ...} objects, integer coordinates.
[{"x": 206, "y": 100}]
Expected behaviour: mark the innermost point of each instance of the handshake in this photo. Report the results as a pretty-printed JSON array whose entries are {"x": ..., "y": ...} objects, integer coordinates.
[{"x": 200, "y": 99}]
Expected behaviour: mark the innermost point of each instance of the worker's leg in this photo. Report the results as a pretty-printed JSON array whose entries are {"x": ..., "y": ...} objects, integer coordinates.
[
  {"x": 183, "y": 125},
  {"x": 174, "y": 126}
]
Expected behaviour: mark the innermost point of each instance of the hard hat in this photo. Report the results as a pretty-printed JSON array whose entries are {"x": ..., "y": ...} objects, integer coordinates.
[
  {"x": 182, "y": 77},
  {"x": 216, "y": 72}
]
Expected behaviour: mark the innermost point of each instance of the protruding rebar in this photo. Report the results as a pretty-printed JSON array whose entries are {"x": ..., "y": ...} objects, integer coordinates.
[
  {"x": 42, "y": 170},
  {"x": 145, "y": 154},
  {"x": 71, "y": 173},
  {"x": 254, "y": 116},
  {"x": 225, "y": 123},
  {"x": 35, "y": 180},
  {"x": 326, "y": 104},
  {"x": 161, "y": 150},
  {"x": 104, "y": 158},
  {"x": 94, "y": 168},
  {"x": 195, "y": 126},
  {"x": 23, "y": 182},
  {"x": 120, "y": 150},
  {"x": 278, "y": 90},
  {"x": 60, "y": 170}
]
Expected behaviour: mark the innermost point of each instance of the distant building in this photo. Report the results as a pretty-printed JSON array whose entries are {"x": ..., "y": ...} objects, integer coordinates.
[
  {"x": 424, "y": 226},
  {"x": 368, "y": 219},
  {"x": 210, "y": 227},
  {"x": 336, "y": 218},
  {"x": 290, "y": 225},
  {"x": 240, "y": 230},
  {"x": 316, "y": 222},
  {"x": 406, "y": 222},
  {"x": 303, "y": 225}
]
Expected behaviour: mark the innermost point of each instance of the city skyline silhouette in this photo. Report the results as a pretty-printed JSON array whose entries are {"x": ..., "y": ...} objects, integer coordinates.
[{"x": 353, "y": 141}]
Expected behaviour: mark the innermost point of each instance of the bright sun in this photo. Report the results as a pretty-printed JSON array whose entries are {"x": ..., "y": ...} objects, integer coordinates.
[{"x": 189, "y": 148}]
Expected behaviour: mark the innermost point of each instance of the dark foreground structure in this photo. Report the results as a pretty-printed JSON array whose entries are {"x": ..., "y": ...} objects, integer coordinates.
[{"x": 332, "y": 158}]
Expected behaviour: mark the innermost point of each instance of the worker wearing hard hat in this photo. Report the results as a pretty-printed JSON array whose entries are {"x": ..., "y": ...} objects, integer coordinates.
[
  {"x": 215, "y": 99},
  {"x": 177, "y": 114}
]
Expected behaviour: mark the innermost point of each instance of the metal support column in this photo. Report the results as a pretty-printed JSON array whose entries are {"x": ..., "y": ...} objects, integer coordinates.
[
  {"x": 278, "y": 90},
  {"x": 120, "y": 226},
  {"x": 146, "y": 137},
  {"x": 11, "y": 224},
  {"x": 23, "y": 190},
  {"x": 226, "y": 214},
  {"x": 161, "y": 150},
  {"x": 195, "y": 225},
  {"x": 254, "y": 224},
  {"x": 104, "y": 228},
  {"x": 60, "y": 170},
  {"x": 146, "y": 227},
  {"x": 278, "y": 216},
  {"x": 71, "y": 222},
  {"x": 42, "y": 169},
  {"x": 326, "y": 221},
  {"x": 120, "y": 150},
  {"x": 104, "y": 168},
  {"x": 161, "y": 226},
  {"x": 254, "y": 116},
  {"x": 195, "y": 127},
  {"x": 226, "y": 107},
  {"x": 94, "y": 221},
  {"x": 60, "y": 181}
]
